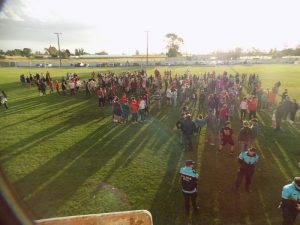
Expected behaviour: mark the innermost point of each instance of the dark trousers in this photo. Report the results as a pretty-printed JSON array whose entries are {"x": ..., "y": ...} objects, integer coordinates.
[
  {"x": 101, "y": 102},
  {"x": 252, "y": 114},
  {"x": 247, "y": 173},
  {"x": 187, "y": 198},
  {"x": 292, "y": 116},
  {"x": 187, "y": 140},
  {"x": 278, "y": 123},
  {"x": 289, "y": 216},
  {"x": 243, "y": 114}
]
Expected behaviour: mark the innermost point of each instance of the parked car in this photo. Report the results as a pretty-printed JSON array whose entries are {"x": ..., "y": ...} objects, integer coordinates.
[
  {"x": 44, "y": 65},
  {"x": 81, "y": 64}
]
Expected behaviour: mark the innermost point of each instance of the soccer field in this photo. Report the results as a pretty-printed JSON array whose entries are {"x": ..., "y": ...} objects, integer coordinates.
[{"x": 64, "y": 156}]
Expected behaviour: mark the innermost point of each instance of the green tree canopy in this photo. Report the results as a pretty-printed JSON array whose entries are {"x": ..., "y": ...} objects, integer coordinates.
[{"x": 174, "y": 43}]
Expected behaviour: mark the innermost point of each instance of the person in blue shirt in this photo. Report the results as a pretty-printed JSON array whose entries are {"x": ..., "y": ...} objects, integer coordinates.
[
  {"x": 189, "y": 178},
  {"x": 290, "y": 201},
  {"x": 247, "y": 160},
  {"x": 199, "y": 122}
]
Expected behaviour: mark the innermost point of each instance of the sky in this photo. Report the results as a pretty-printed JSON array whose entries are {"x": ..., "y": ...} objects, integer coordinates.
[{"x": 119, "y": 26}]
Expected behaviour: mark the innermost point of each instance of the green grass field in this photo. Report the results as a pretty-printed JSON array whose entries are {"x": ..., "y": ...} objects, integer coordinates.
[{"x": 64, "y": 156}]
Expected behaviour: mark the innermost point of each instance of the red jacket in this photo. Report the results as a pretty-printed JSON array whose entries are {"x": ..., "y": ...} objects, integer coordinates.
[
  {"x": 252, "y": 105},
  {"x": 134, "y": 106}
]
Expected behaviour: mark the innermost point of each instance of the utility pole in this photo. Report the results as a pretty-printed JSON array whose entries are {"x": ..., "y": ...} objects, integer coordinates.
[
  {"x": 59, "y": 55},
  {"x": 147, "y": 47}
]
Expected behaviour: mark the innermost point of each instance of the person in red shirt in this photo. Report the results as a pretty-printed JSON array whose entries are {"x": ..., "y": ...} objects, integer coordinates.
[
  {"x": 57, "y": 87},
  {"x": 51, "y": 85},
  {"x": 226, "y": 137},
  {"x": 223, "y": 115},
  {"x": 101, "y": 97},
  {"x": 114, "y": 89},
  {"x": 252, "y": 107},
  {"x": 123, "y": 99},
  {"x": 134, "y": 110}
]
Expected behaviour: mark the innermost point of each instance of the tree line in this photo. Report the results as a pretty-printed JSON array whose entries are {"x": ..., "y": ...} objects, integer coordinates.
[{"x": 173, "y": 47}]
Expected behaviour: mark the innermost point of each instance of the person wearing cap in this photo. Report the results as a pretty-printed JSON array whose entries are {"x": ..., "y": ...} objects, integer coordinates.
[
  {"x": 189, "y": 178},
  {"x": 225, "y": 136},
  {"x": 188, "y": 127},
  {"x": 244, "y": 136},
  {"x": 290, "y": 201},
  {"x": 247, "y": 162}
]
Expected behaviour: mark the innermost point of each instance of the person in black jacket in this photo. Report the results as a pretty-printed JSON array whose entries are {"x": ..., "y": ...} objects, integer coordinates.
[
  {"x": 188, "y": 127},
  {"x": 189, "y": 178},
  {"x": 294, "y": 108},
  {"x": 179, "y": 126}
]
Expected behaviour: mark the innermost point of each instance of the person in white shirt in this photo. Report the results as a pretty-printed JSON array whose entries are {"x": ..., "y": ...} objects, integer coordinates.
[
  {"x": 142, "y": 106},
  {"x": 243, "y": 108},
  {"x": 168, "y": 95}
]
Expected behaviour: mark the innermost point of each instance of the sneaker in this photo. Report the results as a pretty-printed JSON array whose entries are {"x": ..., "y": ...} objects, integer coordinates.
[
  {"x": 231, "y": 153},
  {"x": 212, "y": 144}
]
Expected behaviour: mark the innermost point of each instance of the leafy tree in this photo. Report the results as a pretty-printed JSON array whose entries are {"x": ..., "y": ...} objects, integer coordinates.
[
  {"x": 51, "y": 51},
  {"x": 14, "y": 52},
  {"x": 65, "y": 53},
  {"x": 79, "y": 51},
  {"x": 174, "y": 43},
  {"x": 27, "y": 52}
]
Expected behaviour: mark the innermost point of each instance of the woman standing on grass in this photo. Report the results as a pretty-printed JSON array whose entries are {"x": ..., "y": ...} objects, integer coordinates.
[{"x": 117, "y": 111}]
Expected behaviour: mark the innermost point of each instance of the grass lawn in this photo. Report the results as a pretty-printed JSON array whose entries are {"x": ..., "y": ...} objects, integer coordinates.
[{"x": 64, "y": 156}]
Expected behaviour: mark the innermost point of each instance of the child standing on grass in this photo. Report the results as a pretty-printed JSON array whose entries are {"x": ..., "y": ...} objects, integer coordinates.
[{"x": 200, "y": 122}]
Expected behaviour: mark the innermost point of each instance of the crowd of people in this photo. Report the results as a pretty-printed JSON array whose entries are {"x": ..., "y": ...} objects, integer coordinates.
[{"x": 219, "y": 99}]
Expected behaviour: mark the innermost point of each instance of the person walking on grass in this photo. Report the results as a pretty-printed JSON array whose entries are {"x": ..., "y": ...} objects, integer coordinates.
[
  {"x": 247, "y": 161},
  {"x": 188, "y": 127},
  {"x": 189, "y": 178},
  {"x": 226, "y": 137},
  {"x": 199, "y": 122},
  {"x": 290, "y": 202}
]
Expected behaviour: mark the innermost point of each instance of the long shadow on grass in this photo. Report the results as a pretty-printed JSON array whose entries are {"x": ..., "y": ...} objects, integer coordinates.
[
  {"x": 164, "y": 207},
  {"x": 26, "y": 144},
  {"x": 57, "y": 180}
]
